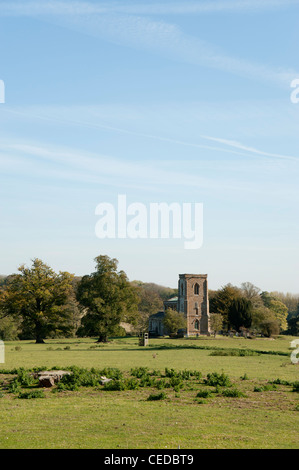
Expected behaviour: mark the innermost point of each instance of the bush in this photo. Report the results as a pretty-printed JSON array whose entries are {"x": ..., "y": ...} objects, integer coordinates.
[
  {"x": 265, "y": 388},
  {"x": 296, "y": 387},
  {"x": 204, "y": 394},
  {"x": 159, "y": 396},
  {"x": 235, "y": 352},
  {"x": 233, "y": 392},
  {"x": 115, "y": 385},
  {"x": 140, "y": 372},
  {"x": 215, "y": 379},
  {"x": 32, "y": 394}
]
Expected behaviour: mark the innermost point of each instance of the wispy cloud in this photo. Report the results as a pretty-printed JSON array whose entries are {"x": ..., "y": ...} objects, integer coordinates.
[
  {"x": 251, "y": 150},
  {"x": 89, "y": 117},
  {"x": 128, "y": 25},
  {"x": 31, "y": 8}
]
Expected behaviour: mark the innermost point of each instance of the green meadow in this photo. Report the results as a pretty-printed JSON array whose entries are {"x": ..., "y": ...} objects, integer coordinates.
[{"x": 161, "y": 408}]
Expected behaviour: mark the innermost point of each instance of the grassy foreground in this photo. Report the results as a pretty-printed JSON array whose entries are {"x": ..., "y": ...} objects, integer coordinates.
[{"x": 260, "y": 415}]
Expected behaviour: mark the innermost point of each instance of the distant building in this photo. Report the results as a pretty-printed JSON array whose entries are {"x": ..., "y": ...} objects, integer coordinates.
[{"x": 192, "y": 300}]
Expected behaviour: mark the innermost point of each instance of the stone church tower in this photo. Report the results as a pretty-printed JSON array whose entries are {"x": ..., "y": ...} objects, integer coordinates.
[{"x": 193, "y": 302}]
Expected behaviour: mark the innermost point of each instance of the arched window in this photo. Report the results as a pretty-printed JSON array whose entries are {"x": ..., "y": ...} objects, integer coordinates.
[
  {"x": 196, "y": 308},
  {"x": 196, "y": 325},
  {"x": 196, "y": 289}
]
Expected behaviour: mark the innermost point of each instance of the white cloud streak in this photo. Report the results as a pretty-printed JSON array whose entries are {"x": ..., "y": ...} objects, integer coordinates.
[
  {"x": 121, "y": 25},
  {"x": 32, "y": 8},
  {"x": 252, "y": 150}
]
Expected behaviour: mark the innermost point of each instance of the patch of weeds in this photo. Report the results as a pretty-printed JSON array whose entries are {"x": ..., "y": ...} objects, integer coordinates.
[
  {"x": 158, "y": 396},
  {"x": 281, "y": 382},
  {"x": 265, "y": 388},
  {"x": 233, "y": 393},
  {"x": 244, "y": 377},
  {"x": 201, "y": 401}
]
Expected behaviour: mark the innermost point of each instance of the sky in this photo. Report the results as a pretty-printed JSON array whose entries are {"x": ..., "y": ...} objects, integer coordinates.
[{"x": 161, "y": 102}]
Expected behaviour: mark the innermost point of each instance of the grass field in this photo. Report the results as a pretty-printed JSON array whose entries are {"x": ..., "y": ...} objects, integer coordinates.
[{"x": 262, "y": 415}]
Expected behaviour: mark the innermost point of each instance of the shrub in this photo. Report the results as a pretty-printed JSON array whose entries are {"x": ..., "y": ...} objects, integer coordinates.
[
  {"x": 160, "y": 384},
  {"x": 265, "y": 388},
  {"x": 244, "y": 377},
  {"x": 24, "y": 378},
  {"x": 176, "y": 383},
  {"x": 296, "y": 387},
  {"x": 215, "y": 379},
  {"x": 140, "y": 372},
  {"x": 159, "y": 396},
  {"x": 233, "y": 392},
  {"x": 281, "y": 382},
  {"x": 115, "y": 385},
  {"x": 204, "y": 394},
  {"x": 32, "y": 394},
  {"x": 14, "y": 386}
]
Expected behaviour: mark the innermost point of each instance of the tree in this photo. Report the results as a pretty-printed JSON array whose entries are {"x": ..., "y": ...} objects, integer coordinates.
[
  {"x": 108, "y": 297},
  {"x": 240, "y": 313},
  {"x": 222, "y": 300},
  {"x": 216, "y": 322},
  {"x": 278, "y": 308},
  {"x": 174, "y": 321},
  {"x": 38, "y": 297}
]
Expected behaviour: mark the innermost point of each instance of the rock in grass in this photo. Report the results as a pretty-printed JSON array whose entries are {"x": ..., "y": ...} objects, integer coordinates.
[{"x": 49, "y": 378}]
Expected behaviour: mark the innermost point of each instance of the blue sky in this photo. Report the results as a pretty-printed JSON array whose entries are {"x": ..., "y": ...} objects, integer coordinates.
[{"x": 161, "y": 101}]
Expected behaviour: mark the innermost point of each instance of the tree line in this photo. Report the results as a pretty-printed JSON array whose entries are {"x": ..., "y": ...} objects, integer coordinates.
[
  {"x": 38, "y": 303},
  {"x": 249, "y": 310}
]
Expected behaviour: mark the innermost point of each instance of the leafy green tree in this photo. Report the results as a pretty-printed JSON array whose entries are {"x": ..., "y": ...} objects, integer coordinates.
[
  {"x": 221, "y": 301},
  {"x": 38, "y": 297},
  {"x": 216, "y": 322},
  {"x": 108, "y": 297},
  {"x": 174, "y": 321},
  {"x": 240, "y": 313},
  {"x": 278, "y": 308}
]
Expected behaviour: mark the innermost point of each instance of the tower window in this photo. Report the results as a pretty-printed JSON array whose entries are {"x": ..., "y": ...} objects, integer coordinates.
[
  {"x": 196, "y": 289},
  {"x": 196, "y": 325}
]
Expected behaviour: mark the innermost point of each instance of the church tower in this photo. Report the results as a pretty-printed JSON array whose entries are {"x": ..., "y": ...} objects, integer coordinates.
[{"x": 194, "y": 303}]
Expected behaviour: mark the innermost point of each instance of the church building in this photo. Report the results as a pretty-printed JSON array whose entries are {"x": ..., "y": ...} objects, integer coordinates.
[{"x": 192, "y": 300}]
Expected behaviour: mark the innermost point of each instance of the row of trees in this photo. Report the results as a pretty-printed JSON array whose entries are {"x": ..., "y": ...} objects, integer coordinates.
[
  {"x": 247, "y": 308},
  {"x": 39, "y": 303}
]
